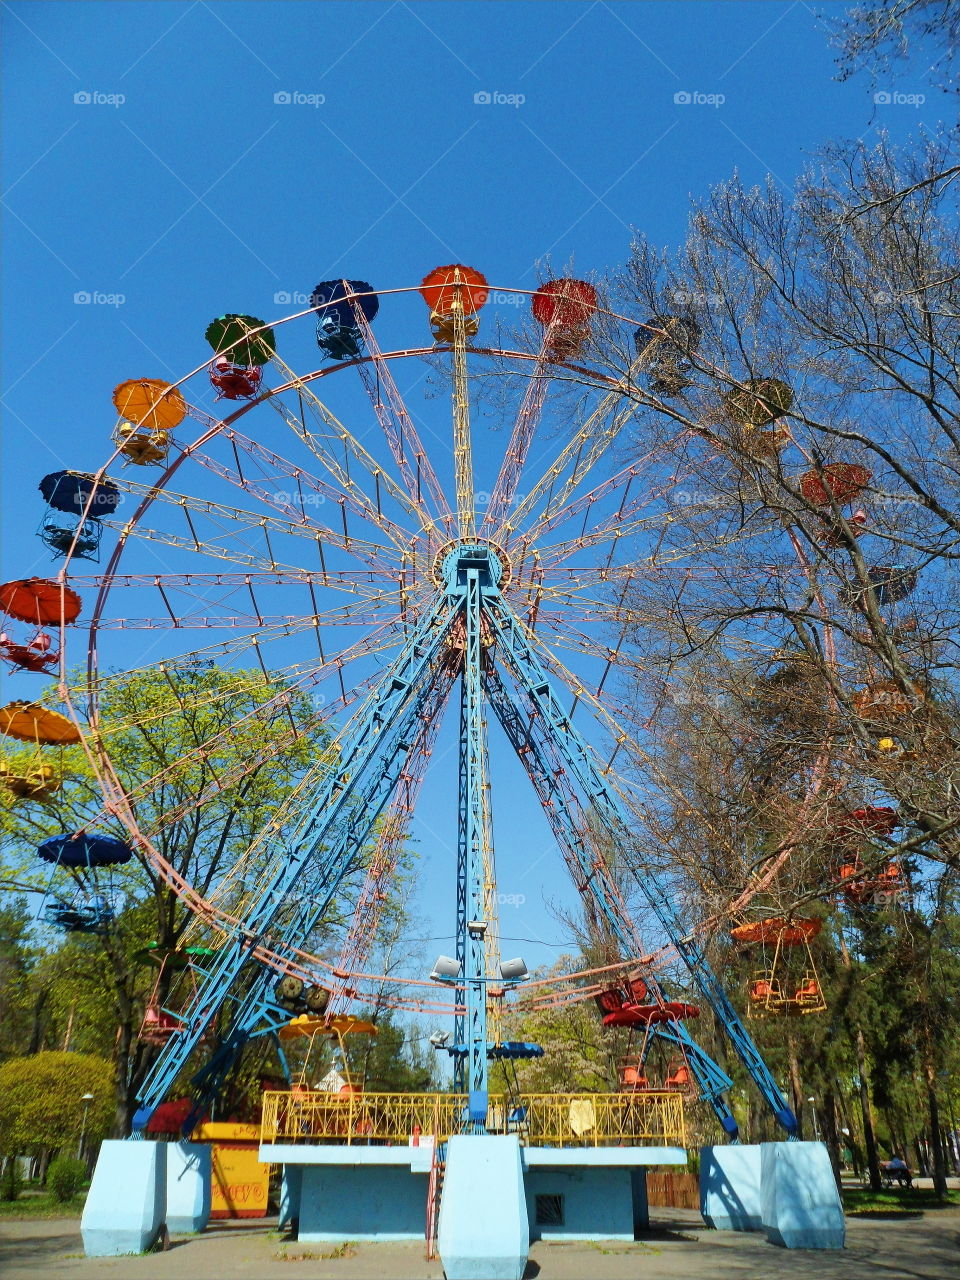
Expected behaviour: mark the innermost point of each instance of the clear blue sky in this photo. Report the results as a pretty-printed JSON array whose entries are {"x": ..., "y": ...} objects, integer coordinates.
[{"x": 204, "y": 192}]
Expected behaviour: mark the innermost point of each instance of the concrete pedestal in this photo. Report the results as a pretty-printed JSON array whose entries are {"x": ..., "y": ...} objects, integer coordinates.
[
  {"x": 371, "y": 1201},
  {"x": 291, "y": 1183},
  {"x": 801, "y": 1207},
  {"x": 483, "y": 1232},
  {"x": 730, "y": 1196},
  {"x": 188, "y": 1186},
  {"x": 126, "y": 1202}
]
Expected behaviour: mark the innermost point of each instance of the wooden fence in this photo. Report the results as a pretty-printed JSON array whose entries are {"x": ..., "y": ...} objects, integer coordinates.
[{"x": 669, "y": 1190}]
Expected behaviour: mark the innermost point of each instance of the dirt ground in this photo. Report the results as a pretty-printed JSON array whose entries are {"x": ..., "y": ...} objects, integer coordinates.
[{"x": 926, "y": 1247}]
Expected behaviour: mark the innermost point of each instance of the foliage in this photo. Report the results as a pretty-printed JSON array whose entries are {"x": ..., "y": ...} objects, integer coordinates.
[
  {"x": 65, "y": 1177},
  {"x": 41, "y": 1101},
  {"x": 208, "y": 756},
  {"x": 11, "y": 1179}
]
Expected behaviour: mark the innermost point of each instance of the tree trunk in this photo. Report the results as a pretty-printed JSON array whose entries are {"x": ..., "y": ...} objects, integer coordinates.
[
  {"x": 796, "y": 1085},
  {"x": 830, "y": 1133},
  {"x": 869, "y": 1138},
  {"x": 938, "y": 1163}
]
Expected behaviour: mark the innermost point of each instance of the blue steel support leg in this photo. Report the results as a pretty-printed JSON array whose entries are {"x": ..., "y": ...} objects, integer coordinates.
[
  {"x": 543, "y": 706},
  {"x": 344, "y": 804},
  {"x": 592, "y": 878},
  {"x": 472, "y": 785}
]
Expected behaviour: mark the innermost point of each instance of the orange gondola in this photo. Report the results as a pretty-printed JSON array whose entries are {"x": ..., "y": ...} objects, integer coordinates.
[
  {"x": 31, "y": 722},
  {"x": 454, "y": 295},
  {"x": 39, "y": 600},
  {"x": 877, "y": 820},
  {"x": 150, "y": 403},
  {"x": 884, "y": 700},
  {"x": 445, "y": 289},
  {"x": 787, "y": 984}
]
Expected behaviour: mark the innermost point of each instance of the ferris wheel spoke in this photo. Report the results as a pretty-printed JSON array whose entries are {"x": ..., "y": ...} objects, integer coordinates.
[
  {"x": 333, "y": 434},
  {"x": 301, "y": 678},
  {"x": 383, "y": 864},
  {"x": 402, "y": 436},
  {"x": 258, "y": 524},
  {"x": 521, "y": 438},
  {"x": 573, "y": 464},
  {"x": 304, "y": 490}
]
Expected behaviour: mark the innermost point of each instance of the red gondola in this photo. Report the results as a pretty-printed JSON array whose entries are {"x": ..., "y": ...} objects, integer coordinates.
[
  {"x": 649, "y": 1015},
  {"x": 838, "y": 482},
  {"x": 235, "y": 381}
]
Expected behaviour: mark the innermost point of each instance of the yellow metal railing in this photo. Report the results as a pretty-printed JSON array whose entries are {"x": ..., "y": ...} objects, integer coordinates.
[{"x": 546, "y": 1119}]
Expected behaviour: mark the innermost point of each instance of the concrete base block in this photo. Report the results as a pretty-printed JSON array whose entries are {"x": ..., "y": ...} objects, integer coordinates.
[
  {"x": 730, "y": 1197},
  {"x": 361, "y": 1202},
  {"x": 188, "y": 1186},
  {"x": 126, "y": 1203},
  {"x": 484, "y": 1232},
  {"x": 291, "y": 1184},
  {"x": 801, "y": 1206}
]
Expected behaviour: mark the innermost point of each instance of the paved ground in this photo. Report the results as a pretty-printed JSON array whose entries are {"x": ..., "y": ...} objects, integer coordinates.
[{"x": 921, "y": 1248}]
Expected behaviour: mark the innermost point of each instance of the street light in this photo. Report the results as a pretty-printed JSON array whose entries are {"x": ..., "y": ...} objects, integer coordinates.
[
  {"x": 816, "y": 1127},
  {"x": 86, "y": 1100}
]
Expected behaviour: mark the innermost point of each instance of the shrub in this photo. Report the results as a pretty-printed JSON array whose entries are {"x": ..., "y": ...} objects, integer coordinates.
[{"x": 66, "y": 1177}]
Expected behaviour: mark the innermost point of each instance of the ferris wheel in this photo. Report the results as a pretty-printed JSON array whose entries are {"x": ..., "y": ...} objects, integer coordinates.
[{"x": 323, "y": 532}]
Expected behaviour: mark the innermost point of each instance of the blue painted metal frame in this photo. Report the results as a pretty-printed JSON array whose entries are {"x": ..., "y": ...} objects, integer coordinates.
[
  {"x": 340, "y": 814},
  {"x": 344, "y": 804},
  {"x": 544, "y": 710}
]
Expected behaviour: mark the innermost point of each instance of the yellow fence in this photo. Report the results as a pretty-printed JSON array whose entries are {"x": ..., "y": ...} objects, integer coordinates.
[{"x": 546, "y": 1119}]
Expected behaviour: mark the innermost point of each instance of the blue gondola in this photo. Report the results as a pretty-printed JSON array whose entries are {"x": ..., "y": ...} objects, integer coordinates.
[
  {"x": 92, "y": 905},
  {"x": 85, "y": 851},
  {"x": 67, "y": 493},
  {"x": 892, "y": 582},
  {"x": 667, "y": 370},
  {"x": 338, "y": 333}
]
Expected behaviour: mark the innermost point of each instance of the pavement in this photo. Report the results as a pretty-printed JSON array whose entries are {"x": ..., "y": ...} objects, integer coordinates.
[{"x": 925, "y": 1247}]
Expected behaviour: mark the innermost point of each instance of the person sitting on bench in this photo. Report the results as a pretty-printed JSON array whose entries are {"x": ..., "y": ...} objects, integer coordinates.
[{"x": 898, "y": 1170}]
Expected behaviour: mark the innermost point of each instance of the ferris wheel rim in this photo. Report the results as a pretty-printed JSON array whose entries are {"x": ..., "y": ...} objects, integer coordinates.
[{"x": 596, "y": 377}]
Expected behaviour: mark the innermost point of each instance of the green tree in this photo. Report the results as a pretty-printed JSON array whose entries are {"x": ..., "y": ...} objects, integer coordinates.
[
  {"x": 205, "y": 758},
  {"x": 42, "y": 1106}
]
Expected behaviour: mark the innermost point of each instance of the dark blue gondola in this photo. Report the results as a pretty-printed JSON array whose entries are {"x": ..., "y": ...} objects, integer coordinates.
[
  {"x": 667, "y": 371},
  {"x": 81, "y": 915},
  {"x": 64, "y": 526},
  {"x": 506, "y": 1050},
  {"x": 338, "y": 333},
  {"x": 85, "y": 851},
  {"x": 892, "y": 582},
  {"x": 71, "y": 490}
]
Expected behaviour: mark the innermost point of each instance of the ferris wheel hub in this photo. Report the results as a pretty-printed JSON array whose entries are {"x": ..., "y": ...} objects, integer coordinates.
[{"x": 456, "y": 558}]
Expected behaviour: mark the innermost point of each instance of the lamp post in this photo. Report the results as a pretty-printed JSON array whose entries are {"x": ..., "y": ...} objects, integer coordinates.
[
  {"x": 816, "y": 1127},
  {"x": 86, "y": 1100}
]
